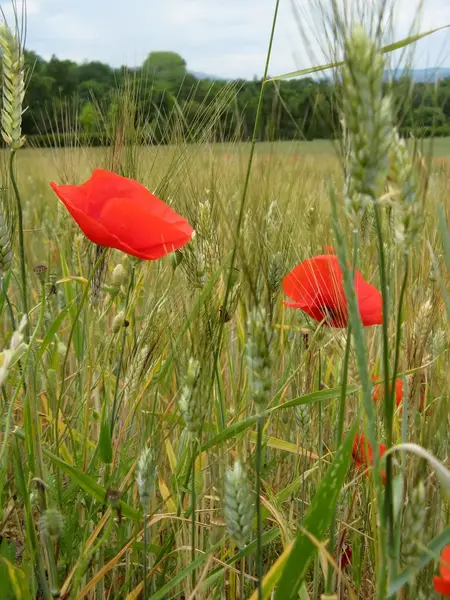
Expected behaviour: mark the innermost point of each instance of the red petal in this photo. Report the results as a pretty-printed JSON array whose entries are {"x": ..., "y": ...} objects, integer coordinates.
[
  {"x": 369, "y": 302},
  {"x": 378, "y": 391},
  {"x": 442, "y": 586},
  {"x": 121, "y": 213},
  {"x": 150, "y": 236},
  {"x": 74, "y": 201},
  {"x": 316, "y": 286},
  {"x": 444, "y": 568},
  {"x": 399, "y": 391}
]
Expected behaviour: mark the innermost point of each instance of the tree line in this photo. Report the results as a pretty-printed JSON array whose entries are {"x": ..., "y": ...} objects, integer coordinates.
[{"x": 84, "y": 100}]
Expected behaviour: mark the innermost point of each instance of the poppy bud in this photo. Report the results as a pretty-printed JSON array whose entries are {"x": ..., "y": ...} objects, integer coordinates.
[
  {"x": 119, "y": 276},
  {"x": 52, "y": 523},
  {"x": 62, "y": 349},
  {"x": 118, "y": 322},
  {"x": 175, "y": 259}
]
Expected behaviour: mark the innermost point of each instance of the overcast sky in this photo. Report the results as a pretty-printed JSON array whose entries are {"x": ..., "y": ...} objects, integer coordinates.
[{"x": 225, "y": 38}]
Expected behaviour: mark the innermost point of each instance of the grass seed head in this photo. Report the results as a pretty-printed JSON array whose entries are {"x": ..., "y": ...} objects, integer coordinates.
[
  {"x": 238, "y": 510},
  {"x": 13, "y": 87},
  {"x": 146, "y": 477},
  {"x": 414, "y": 520},
  {"x": 190, "y": 402},
  {"x": 367, "y": 123},
  {"x": 258, "y": 357}
]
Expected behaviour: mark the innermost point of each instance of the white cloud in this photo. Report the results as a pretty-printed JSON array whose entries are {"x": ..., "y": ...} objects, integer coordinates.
[{"x": 223, "y": 38}]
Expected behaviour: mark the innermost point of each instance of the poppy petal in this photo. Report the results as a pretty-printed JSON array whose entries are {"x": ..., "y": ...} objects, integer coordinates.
[
  {"x": 369, "y": 301},
  {"x": 150, "y": 235},
  {"x": 118, "y": 212},
  {"x": 73, "y": 200},
  {"x": 444, "y": 567},
  {"x": 316, "y": 286},
  {"x": 442, "y": 586}
]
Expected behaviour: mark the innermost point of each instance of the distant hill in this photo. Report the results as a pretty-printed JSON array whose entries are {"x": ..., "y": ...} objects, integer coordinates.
[
  {"x": 428, "y": 75},
  {"x": 200, "y": 75}
]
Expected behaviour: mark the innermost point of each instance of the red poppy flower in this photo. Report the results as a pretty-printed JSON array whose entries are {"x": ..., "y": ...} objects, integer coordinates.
[
  {"x": 378, "y": 391},
  {"x": 442, "y": 583},
  {"x": 345, "y": 557},
  {"x": 316, "y": 287},
  {"x": 121, "y": 213},
  {"x": 329, "y": 249},
  {"x": 362, "y": 453}
]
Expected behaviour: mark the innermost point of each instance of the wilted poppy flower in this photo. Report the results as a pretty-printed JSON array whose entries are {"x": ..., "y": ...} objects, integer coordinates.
[
  {"x": 316, "y": 287},
  {"x": 442, "y": 583},
  {"x": 346, "y": 556},
  {"x": 362, "y": 453},
  {"x": 118, "y": 212},
  {"x": 378, "y": 391}
]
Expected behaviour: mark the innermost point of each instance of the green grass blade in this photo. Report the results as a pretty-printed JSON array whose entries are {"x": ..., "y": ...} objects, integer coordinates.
[
  {"x": 316, "y": 522},
  {"x": 52, "y": 330},
  {"x": 18, "y": 581},
  {"x": 411, "y": 39},
  {"x": 91, "y": 487},
  {"x": 241, "y": 426},
  {"x": 431, "y": 553}
]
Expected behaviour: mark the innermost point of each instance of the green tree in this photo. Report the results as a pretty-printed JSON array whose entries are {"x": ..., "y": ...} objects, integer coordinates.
[
  {"x": 89, "y": 118},
  {"x": 167, "y": 67}
]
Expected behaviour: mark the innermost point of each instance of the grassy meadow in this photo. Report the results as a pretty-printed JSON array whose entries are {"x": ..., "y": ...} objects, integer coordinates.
[
  {"x": 169, "y": 428},
  {"x": 174, "y": 313}
]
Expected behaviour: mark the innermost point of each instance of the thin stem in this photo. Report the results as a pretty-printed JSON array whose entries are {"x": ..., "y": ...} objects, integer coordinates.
[
  {"x": 259, "y": 431},
  {"x": 241, "y": 579},
  {"x": 384, "y": 292},
  {"x": 193, "y": 502},
  {"x": 387, "y": 510},
  {"x": 145, "y": 554},
  {"x": 339, "y": 434},
  {"x": 23, "y": 272},
  {"x": 122, "y": 352},
  {"x": 244, "y": 199}
]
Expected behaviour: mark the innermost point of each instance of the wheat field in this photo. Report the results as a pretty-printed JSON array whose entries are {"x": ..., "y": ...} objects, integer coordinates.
[{"x": 170, "y": 427}]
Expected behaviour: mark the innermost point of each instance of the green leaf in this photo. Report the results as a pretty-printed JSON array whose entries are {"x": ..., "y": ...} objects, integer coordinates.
[
  {"x": 267, "y": 538},
  {"x": 161, "y": 593},
  {"x": 240, "y": 426},
  {"x": 328, "y": 394},
  {"x": 53, "y": 329},
  {"x": 18, "y": 581},
  {"x": 105, "y": 443},
  {"x": 385, "y": 50},
  {"x": 432, "y": 552},
  {"x": 4, "y": 285},
  {"x": 316, "y": 522},
  {"x": 90, "y": 486},
  {"x": 73, "y": 310}
]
